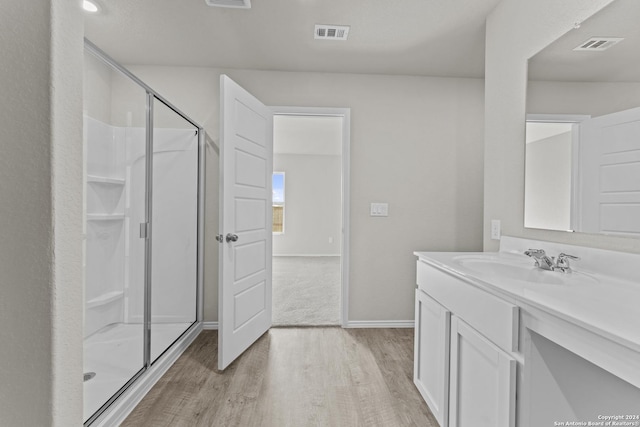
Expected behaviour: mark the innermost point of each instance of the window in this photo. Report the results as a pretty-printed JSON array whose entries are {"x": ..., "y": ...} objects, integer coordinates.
[{"x": 278, "y": 202}]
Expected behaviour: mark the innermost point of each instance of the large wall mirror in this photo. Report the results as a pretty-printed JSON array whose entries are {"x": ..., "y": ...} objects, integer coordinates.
[{"x": 582, "y": 167}]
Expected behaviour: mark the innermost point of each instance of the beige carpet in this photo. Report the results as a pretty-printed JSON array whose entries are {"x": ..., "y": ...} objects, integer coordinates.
[{"x": 306, "y": 291}]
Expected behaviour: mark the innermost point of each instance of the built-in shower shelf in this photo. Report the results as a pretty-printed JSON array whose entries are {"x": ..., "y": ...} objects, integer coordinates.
[
  {"x": 105, "y": 217},
  {"x": 105, "y": 299},
  {"x": 95, "y": 179}
]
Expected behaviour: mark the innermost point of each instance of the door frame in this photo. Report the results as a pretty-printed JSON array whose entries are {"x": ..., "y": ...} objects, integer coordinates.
[{"x": 345, "y": 113}]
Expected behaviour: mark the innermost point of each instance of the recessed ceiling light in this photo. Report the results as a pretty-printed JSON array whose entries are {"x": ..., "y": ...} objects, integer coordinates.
[{"x": 90, "y": 6}]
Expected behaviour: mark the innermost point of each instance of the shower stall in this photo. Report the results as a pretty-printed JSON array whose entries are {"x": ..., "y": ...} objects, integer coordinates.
[{"x": 143, "y": 236}]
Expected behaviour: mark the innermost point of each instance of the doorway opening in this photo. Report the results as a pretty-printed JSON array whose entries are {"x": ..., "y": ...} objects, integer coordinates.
[
  {"x": 552, "y": 160},
  {"x": 310, "y": 216}
]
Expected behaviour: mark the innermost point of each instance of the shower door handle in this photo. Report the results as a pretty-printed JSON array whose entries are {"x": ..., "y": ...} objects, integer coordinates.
[
  {"x": 232, "y": 237},
  {"x": 144, "y": 230}
]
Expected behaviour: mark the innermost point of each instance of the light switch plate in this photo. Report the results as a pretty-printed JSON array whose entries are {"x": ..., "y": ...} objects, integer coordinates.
[
  {"x": 495, "y": 229},
  {"x": 379, "y": 209}
]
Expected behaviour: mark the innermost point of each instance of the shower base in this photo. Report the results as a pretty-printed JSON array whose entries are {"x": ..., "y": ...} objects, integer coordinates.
[{"x": 115, "y": 355}]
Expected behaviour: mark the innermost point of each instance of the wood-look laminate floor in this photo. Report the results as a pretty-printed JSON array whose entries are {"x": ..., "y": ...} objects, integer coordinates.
[{"x": 292, "y": 377}]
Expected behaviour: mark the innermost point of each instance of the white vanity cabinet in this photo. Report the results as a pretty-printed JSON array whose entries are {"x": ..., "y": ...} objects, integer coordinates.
[
  {"x": 463, "y": 340},
  {"x": 572, "y": 340}
]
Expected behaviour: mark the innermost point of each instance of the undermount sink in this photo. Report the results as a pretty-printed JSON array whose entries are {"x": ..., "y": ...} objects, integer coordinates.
[{"x": 497, "y": 267}]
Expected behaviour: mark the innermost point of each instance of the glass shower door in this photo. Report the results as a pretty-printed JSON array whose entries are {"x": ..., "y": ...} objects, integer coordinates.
[
  {"x": 174, "y": 222},
  {"x": 115, "y": 153}
]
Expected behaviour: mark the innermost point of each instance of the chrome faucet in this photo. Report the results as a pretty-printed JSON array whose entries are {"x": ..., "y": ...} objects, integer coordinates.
[
  {"x": 562, "y": 262},
  {"x": 545, "y": 262}
]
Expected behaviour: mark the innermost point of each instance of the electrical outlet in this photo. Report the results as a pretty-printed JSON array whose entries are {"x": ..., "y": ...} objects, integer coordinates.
[
  {"x": 495, "y": 229},
  {"x": 379, "y": 209}
]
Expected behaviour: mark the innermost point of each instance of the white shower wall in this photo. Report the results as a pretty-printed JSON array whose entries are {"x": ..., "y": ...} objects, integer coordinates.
[
  {"x": 175, "y": 219},
  {"x": 174, "y": 235},
  {"x": 106, "y": 226},
  {"x": 115, "y": 206}
]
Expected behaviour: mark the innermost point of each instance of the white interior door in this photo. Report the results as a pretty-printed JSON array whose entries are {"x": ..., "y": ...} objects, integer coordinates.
[
  {"x": 610, "y": 173},
  {"x": 246, "y": 164}
]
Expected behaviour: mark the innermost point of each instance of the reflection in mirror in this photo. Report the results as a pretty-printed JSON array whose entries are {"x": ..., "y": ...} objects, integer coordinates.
[
  {"x": 583, "y": 127},
  {"x": 548, "y": 174}
]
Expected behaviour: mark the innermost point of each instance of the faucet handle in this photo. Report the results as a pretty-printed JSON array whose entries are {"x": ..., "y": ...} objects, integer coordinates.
[
  {"x": 534, "y": 252},
  {"x": 541, "y": 258},
  {"x": 562, "y": 262}
]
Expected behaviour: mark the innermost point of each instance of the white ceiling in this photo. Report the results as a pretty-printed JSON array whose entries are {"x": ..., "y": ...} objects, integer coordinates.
[
  {"x": 312, "y": 135},
  {"x": 619, "y": 63},
  {"x": 411, "y": 37}
]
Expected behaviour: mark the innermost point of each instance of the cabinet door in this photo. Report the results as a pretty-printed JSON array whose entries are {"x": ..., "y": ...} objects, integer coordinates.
[
  {"x": 483, "y": 381},
  {"x": 431, "y": 355}
]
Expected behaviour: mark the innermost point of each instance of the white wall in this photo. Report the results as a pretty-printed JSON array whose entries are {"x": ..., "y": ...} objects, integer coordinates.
[
  {"x": 313, "y": 205},
  {"x": 41, "y": 213},
  {"x": 516, "y": 30},
  {"x": 416, "y": 143},
  {"x": 113, "y": 98},
  {"x": 97, "y": 89},
  {"x": 590, "y": 98}
]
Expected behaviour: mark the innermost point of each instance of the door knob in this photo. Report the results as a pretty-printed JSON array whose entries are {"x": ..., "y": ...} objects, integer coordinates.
[
  {"x": 232, "y": 237},
  {"x": 220, "y": 238}
]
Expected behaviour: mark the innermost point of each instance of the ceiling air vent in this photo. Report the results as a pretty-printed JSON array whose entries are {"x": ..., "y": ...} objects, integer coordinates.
[
  {"x": 597, "y": 44},
  {"x": 240, "y": 4},
  {"x": 331, "y": 32}
]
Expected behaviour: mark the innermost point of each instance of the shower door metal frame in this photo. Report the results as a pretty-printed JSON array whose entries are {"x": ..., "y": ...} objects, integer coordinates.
[
  {"x": 151, "y": 98},
  {"x": 147, "y": 235},
  {"x": 146, "y": 231}
]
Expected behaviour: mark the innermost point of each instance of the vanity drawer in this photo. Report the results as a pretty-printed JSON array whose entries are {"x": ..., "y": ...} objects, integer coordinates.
[{"x": 493, "y": 317}]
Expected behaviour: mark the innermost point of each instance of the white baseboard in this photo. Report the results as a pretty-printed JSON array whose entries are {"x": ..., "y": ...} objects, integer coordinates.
[
  {"x": 210, "y": 325},
  {"x": 352, "y": 324},
  {"x": 380, "y": 324},
  {"x": 161, "y": 319},
  {"x": 305, "y": 255}
]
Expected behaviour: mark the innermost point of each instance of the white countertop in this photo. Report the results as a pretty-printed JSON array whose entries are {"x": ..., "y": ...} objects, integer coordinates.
[{"x": 603, "y": 304}]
